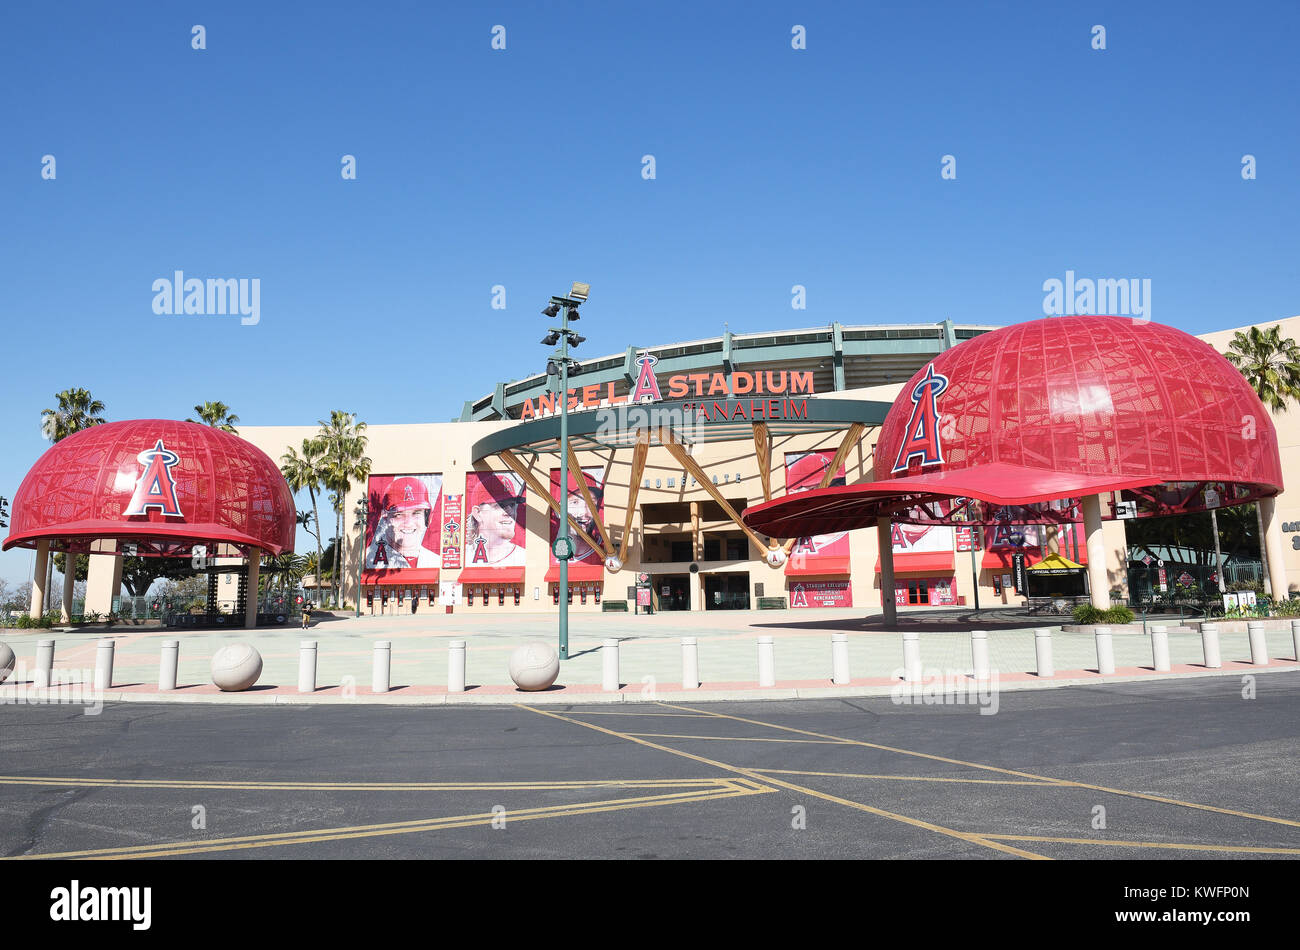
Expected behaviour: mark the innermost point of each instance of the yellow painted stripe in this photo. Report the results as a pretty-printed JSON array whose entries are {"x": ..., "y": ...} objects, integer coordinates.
[
  {"x": 666, "y": 735},
  {"x": 993, "y": 768},
  {"x": 755, "y": 776},
  {"x": 185, "y": 784},
  {"x": 908, "y": 778},
  {"x": 1176, "y": 846}
]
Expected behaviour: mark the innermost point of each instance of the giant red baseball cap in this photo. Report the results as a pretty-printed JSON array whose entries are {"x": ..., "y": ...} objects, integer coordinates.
[{"x": 405, "y": 493}]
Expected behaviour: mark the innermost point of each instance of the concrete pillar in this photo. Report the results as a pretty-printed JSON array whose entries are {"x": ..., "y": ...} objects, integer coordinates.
[
  {"x": 1160, "y": 647},
  {"x": 167, "y": 663},
  {"x": 697, "y": 590},
  {"x": 456, "y": 666},
  {"x": 69, "y": 579},
  {"x": 1273, "y": 545},
  {"x": 1097, "y": 581},
  {"x": 1210, "y": 646},
  {"x": 1043, "y": 651},
  {"x": 840, "y": 659},
  {"x": 381, "y": 670},
  {"x": 250, "y": 592},
  {"x": 979, "y": 651},
  {"x": 1105, "y": 650},
  {"x": 697, "y": 543},
  {"x": 103, "y": 578},
  {"x": 38, "y": 578},
  {"x": 911, "y": 656},
  {"x": 609, "y": 680},
  {"x": 1258, "y": 643},
  {"x": 690, "y": 663},
  {"x": 766, "y": 662},
  {"x": 307, "y": 666},
  {"x": 104, "y": 665},
  {"x": 885, "y": 543}
]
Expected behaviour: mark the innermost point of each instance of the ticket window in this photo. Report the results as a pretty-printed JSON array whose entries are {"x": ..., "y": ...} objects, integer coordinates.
[
  {"x": 370, "y": 599},
  {"x": 518, "y": 591},
  {"x": 469, "y": 595},
  {"x": 383, "y": 600},
  {"x": 501, "y": 596},
  {"x": 582, "y": 593},
  {"x": 596, "y": 590},
  {"x": 555, "y": 594},
  {"x": 432, "y": 593}
]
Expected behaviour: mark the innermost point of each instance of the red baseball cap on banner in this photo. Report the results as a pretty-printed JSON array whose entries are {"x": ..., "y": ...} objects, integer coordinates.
[
  {"x": 405, "y": 493},
  {"x": 503, "y": 488}
]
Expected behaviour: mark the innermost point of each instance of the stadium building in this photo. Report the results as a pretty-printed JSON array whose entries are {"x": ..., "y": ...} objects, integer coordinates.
[{"x": 674, "y": 443}]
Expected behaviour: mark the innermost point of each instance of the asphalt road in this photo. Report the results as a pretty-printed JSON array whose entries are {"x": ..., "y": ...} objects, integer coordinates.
[{"x": 1175, "y": 770}]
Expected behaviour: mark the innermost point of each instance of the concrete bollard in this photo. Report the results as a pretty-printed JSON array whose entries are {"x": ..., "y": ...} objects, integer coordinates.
[
  {"x": 1043, "y": 651},
  {"x": 840, "y": 659},
  {"x": 1295, "y": 640},
  {"x": 1258, "y": 643},
  {"x": 382, "y": 670},
  {"x": 307, "y": 666},
  {"x": 979, "y": 653},
  {"x": 1160, "y": 647},
  {"x": 104, "y": 665},
  {"x": 609, "y": 680},
  {"x": 1105, "y": 651},
  {"x": 456, "y": 666},
  {"x": 167, "y": 664},
  {"x": 44, "y": 664},
  {"x": 1210, "y": 646},
  {"x": 911, "y": 656},
  {"x": 690, "y": 664},
  {"x": 766, "y": 662}
]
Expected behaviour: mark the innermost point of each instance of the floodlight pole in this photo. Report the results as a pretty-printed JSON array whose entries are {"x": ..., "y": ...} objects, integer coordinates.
[{"x": 563, "y": 534}]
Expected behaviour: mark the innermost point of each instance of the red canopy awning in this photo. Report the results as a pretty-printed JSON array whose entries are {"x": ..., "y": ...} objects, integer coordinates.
[
  {"x": 937, "y": 562},
  {"x": 492, "y": 575},
  {"x": 400, "y": 577},
  {"x": 578, "y": 571},
  {"x": 810, "y": 566}
]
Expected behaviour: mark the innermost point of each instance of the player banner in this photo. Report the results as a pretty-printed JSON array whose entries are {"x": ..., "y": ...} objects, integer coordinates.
[
  {"x": 452, "y": 524},
  {"x": 803, "y": 472},
  {"x": 403, "y": 524},
  {"x": 495, "y": 528},
  {"x": 921, "y": 538},
  {"x": 578, "y": 510}
]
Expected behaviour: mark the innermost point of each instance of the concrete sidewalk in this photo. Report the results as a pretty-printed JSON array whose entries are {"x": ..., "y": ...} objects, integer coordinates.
[{"x": 650, "y": 655}]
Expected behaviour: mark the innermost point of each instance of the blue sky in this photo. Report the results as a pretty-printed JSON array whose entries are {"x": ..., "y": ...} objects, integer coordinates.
[{"x": 522, "y": 167}]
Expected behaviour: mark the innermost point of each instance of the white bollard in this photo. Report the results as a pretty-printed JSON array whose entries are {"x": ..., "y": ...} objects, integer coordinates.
[
  {"x": 1160, "y": 647},
  {"x": 609, "y": 680},
  {"x": 979, "y": 653},
  {"x": 104, "y": 665},
  {"x": 1043, "y": 651},
  {"x": 307, "y": 666},
  {"x": 1105, "y": 652},
  {"x": 766, "y": 662},
  {"x": 1295, "y": 639},
  {"x": 911, "y": 656},
  {"x": 170, "y": 659},
  {"x": 1258, "y": 643},
  {"x": 381, "y": 672},
  {"x": 690, "y": 664},
  {"x": 1210, "y": 646},
  {"x": 44, "y": 664},
  {"x": 840, "y": 659},
  {"x": 456, "y": 666}
]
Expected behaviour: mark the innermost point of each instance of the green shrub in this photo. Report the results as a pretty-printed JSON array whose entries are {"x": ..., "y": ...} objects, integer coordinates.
[
  {"x": 25, "y": 622},
  {"x": 1087, "y": 613},
  {"x": 1118, "y": 614}
]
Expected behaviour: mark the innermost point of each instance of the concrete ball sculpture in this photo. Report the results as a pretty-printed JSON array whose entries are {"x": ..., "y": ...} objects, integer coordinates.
[
  {"x": 6, "y": 661},
  {"x": 534, "y": 666},
  {"x": 236, "y": 667}
]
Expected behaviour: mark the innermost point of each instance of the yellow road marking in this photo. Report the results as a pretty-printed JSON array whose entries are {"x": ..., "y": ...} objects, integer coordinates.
[
  {"x": 732, "y": 789},
  {"x": 1177, "y": 846},
  {"x": 755, "y": 776},
  {"x": 666, "y": 735},
  {"x": 575, "y": 712},
  {"x": 993, "y": 768},
  {"x": 908, "y": 778},
  {"x": 358, "y": 786}
]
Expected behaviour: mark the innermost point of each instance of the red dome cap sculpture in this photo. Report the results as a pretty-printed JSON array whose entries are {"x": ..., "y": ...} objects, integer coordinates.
[
  {"x": 160, "y": 484},
  {"x": 1017, "y": 425}
]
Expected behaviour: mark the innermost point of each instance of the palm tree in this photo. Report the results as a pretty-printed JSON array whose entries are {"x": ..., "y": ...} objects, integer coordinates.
[
  {"x": 305, "y": 471},
  {"x": 344, "y": 444},
  {"x": 1271, "y": 363},
  {"x": 77, "y": 410},
  {"x": 217, "y": 415}
]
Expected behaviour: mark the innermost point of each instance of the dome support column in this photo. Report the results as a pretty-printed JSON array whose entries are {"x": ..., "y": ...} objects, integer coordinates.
[
  {"x": 1098, "y": 583},
  {"x": 1273, "y": 546},
  {"x": 885, "y": 541},
  {"x": 250, "y": 592},
  {"x": 38, "y": 578},
  {"x": 69, "y": 578}
]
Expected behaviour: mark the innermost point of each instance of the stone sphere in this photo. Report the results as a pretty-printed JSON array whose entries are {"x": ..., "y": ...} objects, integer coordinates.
[
  {"x": 534, "y": 666},
  {"x": 236, "y": 667},
  {"x": 6, "y": 661}
]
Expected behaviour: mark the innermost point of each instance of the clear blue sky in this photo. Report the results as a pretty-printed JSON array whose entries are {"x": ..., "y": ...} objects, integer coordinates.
[{"x": 522, "y": 168}]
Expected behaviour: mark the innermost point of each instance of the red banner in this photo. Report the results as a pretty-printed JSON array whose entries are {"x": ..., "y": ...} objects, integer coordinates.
[
  {"x": 821, "y": 594},
  {"x": 453, "y": 525},
  {"x": 403, "y": 522},
  {"x": 578, "y": 509}
]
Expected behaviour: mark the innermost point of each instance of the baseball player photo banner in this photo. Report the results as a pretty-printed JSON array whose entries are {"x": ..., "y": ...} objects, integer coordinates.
[
  {"x": 403, "y": 524},
  {"x": 921, "y": 538},
  {"x": 803, "y": 472},
  {"x": 581, "y": 513},
  {"x": 495, "y": 520}
]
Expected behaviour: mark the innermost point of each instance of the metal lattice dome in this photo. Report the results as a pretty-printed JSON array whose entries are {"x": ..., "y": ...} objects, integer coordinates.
[
  {"x": 1029, "y": 418},
  {"x": 158, "y": 484}
]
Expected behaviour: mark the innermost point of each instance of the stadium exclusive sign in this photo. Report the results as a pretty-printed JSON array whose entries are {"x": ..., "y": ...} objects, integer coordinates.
[{"x": 708, "y": 386}]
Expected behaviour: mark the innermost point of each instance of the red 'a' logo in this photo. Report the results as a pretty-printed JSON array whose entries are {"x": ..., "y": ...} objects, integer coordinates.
[
  {"x": 646, "y": 384},
  {"x": 921, "y": 440},
  {"x": 480, "y": 551},
  {"x": 800, "y": 597},
  {"x": 156, "y": 488}
]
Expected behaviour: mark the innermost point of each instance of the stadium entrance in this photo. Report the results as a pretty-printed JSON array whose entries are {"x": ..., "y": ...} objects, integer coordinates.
[{"x": 726, "y": 591}]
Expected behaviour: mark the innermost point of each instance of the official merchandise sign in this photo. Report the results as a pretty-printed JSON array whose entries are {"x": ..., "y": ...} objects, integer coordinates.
[
  {"x": 965, "y": 538},
  {"x": 821, "y": 594},
  {"x": 1018, "y": 573}
]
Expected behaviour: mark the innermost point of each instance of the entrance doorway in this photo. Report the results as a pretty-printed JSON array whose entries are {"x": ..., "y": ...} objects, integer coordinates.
[
  {"x": 673, "y": 591},
  {"x": 728, "y": 591}
]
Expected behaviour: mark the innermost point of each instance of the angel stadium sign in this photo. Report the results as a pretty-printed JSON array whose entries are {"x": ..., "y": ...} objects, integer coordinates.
[{"x": 767, "y": 393}]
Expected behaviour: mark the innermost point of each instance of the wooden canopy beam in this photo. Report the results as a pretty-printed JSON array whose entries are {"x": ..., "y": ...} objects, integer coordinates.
[
  {"x": 520, "y": 469},
  {"x": 581, "y": 479},
  {"x": 639, "y": 455}
]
